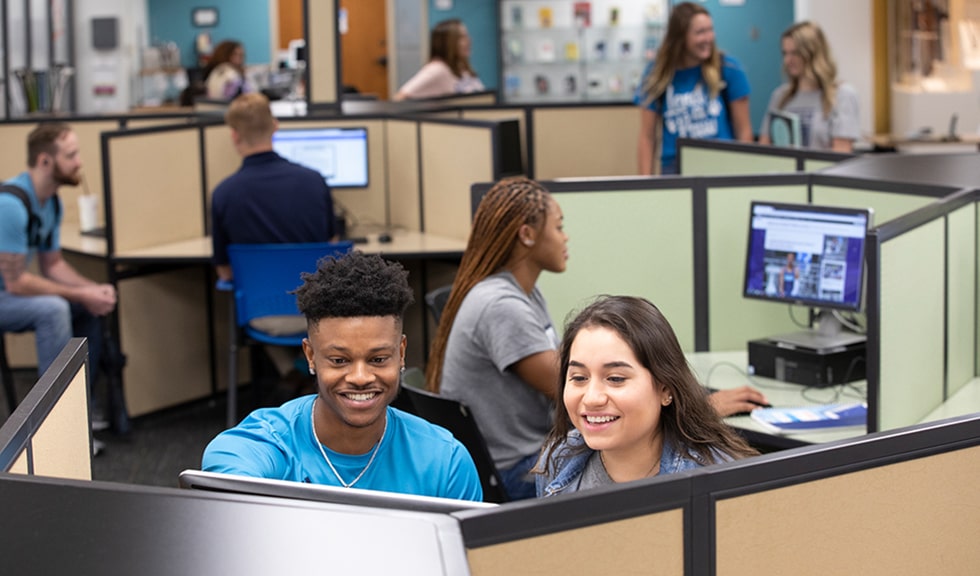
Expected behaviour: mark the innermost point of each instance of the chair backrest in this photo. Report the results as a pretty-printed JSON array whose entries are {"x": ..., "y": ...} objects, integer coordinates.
[
  {"x": 456, "y": 417},
  {"x": 265, "y": 274},
  {"x": 436, "y": 301}
]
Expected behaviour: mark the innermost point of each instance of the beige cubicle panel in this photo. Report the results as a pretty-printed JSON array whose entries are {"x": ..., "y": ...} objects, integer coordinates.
[
  {"x": 914, "y": 517},
  {"x": 402, "y": 161},
  {"x": 498, "y": 114},
  {"x": 651, "y": 544},
  {"x": 156, "y": 188},
  {"x": 697, "y": 161},
  {"x": 488, "y": 98},
  {"x": 734, "y": 320},
  {"x": 321, "y": 50},
  {"x": 912, "y": 326},
  {"x": 454, "y": 157},
  {"x": 153, "y": 310},
  {"x": 571, "y": 141},
  {"x": 961, "y": 298},
  {"x": 221, "y": 160},
  {"x": 13, "y": 148},
  {"x": 54, "y": 434},
  {"x": 653, "y": 227}
]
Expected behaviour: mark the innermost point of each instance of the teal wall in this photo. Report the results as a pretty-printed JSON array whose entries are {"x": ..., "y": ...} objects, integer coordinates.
[
  {"x": 244, "y": 20},
  {"x": 750, "y": 33},
  {"x": 482, "y": 21}
]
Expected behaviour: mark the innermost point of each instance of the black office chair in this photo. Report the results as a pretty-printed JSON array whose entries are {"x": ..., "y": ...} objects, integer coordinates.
[
  {"x": 456, "y": 417},
  {"x": 8, "y": 377},
  {"x": 436, "y": 301}
]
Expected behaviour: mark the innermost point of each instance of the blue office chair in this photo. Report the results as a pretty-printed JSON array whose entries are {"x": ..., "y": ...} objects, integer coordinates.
[{"x": 263, "y": 310}]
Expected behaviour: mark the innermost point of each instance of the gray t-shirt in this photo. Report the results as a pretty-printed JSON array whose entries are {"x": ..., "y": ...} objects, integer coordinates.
[
  {"x": 816, "y": 130},
  {"x": 497, "y": 325}
]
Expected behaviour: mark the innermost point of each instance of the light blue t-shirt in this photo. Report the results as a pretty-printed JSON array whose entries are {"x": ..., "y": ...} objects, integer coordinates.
[
  {"x": 688, "y": 110},
  {"x": 415, "y": 457},
  {"x": 13, "y": 220}
]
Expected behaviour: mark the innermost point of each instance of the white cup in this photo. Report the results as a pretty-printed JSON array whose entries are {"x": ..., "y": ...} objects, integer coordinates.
[{"x": 88, "y": 212}]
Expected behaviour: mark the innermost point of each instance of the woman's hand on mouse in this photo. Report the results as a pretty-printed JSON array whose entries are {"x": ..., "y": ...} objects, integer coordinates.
[{"x": 736, "y": 400}]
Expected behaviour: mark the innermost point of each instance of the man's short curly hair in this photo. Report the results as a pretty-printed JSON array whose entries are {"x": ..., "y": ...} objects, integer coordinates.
[{"x": 356, "y": 284}]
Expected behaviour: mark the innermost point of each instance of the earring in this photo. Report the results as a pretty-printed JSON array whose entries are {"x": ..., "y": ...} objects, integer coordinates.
[
  {"x": 312, "y": 371},
  {"x": 403, "y": 369},
  {"x": 668, "y": 400}
]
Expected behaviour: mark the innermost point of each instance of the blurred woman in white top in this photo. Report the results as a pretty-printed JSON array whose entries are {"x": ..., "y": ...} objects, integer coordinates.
[{"x": 448, "y": 70}]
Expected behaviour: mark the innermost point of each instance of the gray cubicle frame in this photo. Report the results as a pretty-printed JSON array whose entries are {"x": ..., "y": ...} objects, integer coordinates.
[{"x": 19, "y": 428}]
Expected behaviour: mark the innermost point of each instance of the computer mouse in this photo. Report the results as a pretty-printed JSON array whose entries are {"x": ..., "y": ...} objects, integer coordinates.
[{"x": 384, "y": 237}]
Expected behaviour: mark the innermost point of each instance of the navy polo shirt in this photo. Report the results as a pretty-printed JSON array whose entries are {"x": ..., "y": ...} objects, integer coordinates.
[{"x": 270, "y": 200}]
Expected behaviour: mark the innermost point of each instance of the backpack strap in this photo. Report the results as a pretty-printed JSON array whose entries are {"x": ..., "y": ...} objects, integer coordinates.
[{"x": 34, "y": 239}]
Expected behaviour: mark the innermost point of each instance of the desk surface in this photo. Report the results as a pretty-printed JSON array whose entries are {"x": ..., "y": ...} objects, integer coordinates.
[
  {"x": 405, "y": 244},
  {"x": 723, "y": 370}
]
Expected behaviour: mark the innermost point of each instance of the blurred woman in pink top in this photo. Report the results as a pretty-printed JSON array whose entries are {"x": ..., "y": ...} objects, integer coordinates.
[{"x": 448, "y": 70}]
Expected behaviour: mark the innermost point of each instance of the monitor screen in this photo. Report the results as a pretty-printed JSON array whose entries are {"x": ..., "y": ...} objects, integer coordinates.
[
  {"x": 200, "y": 480},
  {"x": 785, "y": 129},
  {"x": 806, "y": 254},
  {"x": 339, "y": 154}
]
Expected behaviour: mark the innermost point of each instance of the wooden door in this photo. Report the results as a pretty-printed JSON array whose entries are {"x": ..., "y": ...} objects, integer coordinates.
[
  {"x": 290, "y": 22},
  {"x": 363, "y": 48}
]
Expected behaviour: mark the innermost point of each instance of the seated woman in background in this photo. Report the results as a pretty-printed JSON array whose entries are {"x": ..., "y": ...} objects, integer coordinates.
[
  {"x": 225, "y": 73},
  {"x": 629, "y": 406},
  {"x": 496, "y": 349},
  {"x": 827, "y": 108},
  {"x": 448, "y": 70}
]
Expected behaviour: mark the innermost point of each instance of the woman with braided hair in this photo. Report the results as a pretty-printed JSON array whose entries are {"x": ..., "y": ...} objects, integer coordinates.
[{"x": 496, "y": 349}]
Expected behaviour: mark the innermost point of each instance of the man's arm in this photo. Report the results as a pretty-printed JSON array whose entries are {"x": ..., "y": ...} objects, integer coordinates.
[{"x": 99, "y": 299}]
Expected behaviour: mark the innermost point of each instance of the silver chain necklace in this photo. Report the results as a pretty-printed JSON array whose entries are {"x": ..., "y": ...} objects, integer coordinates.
[{"x": 319, "y": 444}]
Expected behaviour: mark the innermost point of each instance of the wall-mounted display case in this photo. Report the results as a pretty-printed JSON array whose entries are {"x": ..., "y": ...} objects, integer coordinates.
[{"x": 573, "y": 51}]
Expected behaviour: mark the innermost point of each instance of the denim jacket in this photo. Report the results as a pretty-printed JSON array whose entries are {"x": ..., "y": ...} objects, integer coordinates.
[{"x": 570, "y": 467}]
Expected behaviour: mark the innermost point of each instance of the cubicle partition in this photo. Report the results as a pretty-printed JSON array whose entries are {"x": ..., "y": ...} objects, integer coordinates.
[
  {"x": 48, "y": 434},
  {"x": 889, "y": 503},
  {"x": 158, "y": 182},
  {"x": 576, "y": 141},
  {"x": 922, "y": 308},
  {"x": 727, "y": 158}
]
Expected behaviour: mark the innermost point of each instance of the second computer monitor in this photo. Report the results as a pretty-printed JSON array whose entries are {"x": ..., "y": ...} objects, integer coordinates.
[
  {"x": 339, "y": 154},
  {"x": 806, "y": 254}
]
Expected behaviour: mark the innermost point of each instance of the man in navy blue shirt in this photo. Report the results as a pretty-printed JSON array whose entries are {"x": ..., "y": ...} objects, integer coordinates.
[{"x": 269, "y": 199}]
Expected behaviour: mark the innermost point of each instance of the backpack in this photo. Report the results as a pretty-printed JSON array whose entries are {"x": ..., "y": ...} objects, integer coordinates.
[{"x": 34, "y": 239}]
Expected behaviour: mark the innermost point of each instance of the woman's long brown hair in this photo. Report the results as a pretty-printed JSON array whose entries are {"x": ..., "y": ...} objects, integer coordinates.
[{"x": 510, "y": 204}]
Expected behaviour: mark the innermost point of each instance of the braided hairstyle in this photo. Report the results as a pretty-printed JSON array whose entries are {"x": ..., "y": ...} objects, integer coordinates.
[{"x": 510, "y": 204}]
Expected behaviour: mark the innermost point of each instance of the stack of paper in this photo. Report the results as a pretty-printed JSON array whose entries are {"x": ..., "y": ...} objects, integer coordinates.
[{"x": 812, "y": 418}]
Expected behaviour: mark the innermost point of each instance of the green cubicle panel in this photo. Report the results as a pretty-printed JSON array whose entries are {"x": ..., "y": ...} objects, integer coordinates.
[
  {"x": 961, "y": 298},
  {"x": 637, "y": 242},
  {"x": 734, "y": 320},
  {"x": 912, "y": 325},
  {"x": 810, "y": 165},
  {"x": 697, "y": 161},
  {"x": 886, "y": 205}
]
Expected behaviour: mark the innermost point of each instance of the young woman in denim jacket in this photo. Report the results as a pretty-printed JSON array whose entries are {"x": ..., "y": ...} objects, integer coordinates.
[{"x": 630, "y": 406}]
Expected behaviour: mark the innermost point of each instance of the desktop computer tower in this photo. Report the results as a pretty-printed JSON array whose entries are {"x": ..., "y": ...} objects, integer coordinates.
[{"x": 807, "y": 366}]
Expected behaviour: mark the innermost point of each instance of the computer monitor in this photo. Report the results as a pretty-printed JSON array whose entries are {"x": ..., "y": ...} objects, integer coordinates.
[
  {"x": 807, "y": 254},
  {"x": 216, "y": 482},
  {"x": 339, "y": 154}
]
